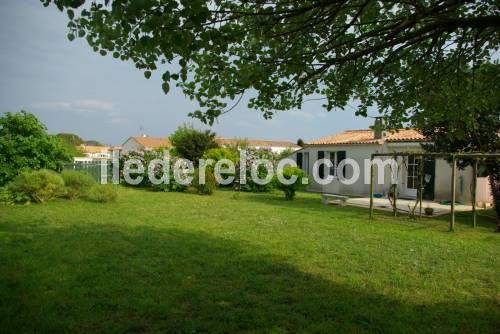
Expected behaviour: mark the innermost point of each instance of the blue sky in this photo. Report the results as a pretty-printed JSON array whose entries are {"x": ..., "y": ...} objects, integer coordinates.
[{"x": 72, "y": 89}]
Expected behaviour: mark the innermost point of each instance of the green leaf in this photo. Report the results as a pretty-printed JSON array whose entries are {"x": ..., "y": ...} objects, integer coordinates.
[
  {"x": 71, "y": 37},
  {"x": 103, "y": 52},
  {"x": 165, "y": 87},
  {"x": 71, "y": 14},
  {"x": 166, "y": 76},
  {"x": 147, "y": 74},
  {"x": 81, "y": 33}
]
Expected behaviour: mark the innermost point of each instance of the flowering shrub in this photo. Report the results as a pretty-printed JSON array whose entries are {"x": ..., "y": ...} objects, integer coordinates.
[{"x": 250, "y": 185}]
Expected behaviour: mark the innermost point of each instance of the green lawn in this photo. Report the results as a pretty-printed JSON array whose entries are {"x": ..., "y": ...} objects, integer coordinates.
[{"x": 248, "y": 263}]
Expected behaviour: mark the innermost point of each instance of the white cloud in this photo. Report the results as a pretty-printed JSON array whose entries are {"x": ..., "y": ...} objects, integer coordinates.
[{"x": 84, "y": 105}]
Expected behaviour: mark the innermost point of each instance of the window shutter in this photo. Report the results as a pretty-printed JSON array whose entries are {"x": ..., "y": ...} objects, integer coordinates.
[
  {"x": 340, "y": 157},
  {"x": 299, "y": 160},
  {"x": 321, "y": 155}
]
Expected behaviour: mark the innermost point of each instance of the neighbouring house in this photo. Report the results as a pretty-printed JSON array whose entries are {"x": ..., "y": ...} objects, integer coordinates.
[
  {"x": 95, "y": 154},
  {"x": 275, "y": 146},
  {"x": 358, "y": 145},
  {"x": 144, "y": 143}
]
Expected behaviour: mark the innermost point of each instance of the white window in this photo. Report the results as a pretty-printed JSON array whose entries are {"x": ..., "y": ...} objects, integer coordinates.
[{"x": 335, "y": 157}]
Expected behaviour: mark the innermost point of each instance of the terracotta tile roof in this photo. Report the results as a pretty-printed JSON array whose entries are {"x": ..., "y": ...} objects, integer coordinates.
[
  {"x": 405, "y": 135},
  {"x": 153, "y": 142},
  {"x": 94, "y": 149},
  {"x": 257, "y": 142},
  {"x": 351, "y": 137}
]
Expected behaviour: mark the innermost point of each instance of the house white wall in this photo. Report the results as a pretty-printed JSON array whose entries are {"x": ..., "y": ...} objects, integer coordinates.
[
  {"x": 463, "y": 184},
  {"x": 274, "y": 149},
  {"x": 442, "y": 179},
  {"x": 356, "y": 152}
]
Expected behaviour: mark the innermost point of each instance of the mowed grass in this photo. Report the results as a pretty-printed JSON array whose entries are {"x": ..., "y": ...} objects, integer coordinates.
[{"x": 241, "y": 263}]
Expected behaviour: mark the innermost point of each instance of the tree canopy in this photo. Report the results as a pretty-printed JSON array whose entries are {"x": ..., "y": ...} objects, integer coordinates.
[
  {"x": 71, "y": 138},
  {"x": 72, "y": 142},
  {"x": 462, "y": 114},
  {"x": 25, "y": 144},
  {"x": 190, "y": 143},
  {"x": 286, "y": 51}
]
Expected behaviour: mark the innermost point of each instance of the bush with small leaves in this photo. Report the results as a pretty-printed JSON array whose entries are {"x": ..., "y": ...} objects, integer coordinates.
[
  {"x": 290, "y": 189},
  {"x": 76, "y": 184},
  {"x": 6, "y": 197},
  {"x": 207, "y": 187},
  {"x": 103, "y": 193},
  {"x": 40, "y": 186}
]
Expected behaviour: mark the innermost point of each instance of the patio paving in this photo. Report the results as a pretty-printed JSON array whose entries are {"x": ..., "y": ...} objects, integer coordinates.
[{"x": 406, "y": 204}]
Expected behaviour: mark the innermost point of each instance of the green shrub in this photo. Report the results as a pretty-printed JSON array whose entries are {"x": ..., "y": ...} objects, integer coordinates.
[
  {"x": 250, "y": 185},
  {"x": 190, "y": 143},
  {"x": 210, "y": 183},
  {"x": 76, "y": 184},
  {"x": 6, "y": 197},
  {"x": 40, "y": 186},
  {"x": 102, "y": 193},
  {"x": 26, "y": 145},
  {"x": 172, "y": 185},
  {"x": 290, "y": 189},
  {"x": 220, "y": 153}
]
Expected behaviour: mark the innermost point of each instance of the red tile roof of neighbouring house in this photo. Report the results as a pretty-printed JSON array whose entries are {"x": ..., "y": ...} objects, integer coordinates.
[
  {"x": 353, "y": 137},
  {"x": 152, "y": 142}
]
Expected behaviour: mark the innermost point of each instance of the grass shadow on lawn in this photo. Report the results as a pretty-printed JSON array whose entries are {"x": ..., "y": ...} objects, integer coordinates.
[{"x": 110, "y": 278}]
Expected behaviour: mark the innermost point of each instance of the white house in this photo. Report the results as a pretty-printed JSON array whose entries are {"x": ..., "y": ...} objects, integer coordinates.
[
  {"x": 94, "y": 154},
  {"x": 360, "y": 144},
  {"x": 144, "y": 143},
  {"x": 275, "y": 146}
]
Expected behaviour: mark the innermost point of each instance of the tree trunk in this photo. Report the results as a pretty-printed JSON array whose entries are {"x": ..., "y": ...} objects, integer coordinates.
[{"x": 495, "y": 192}]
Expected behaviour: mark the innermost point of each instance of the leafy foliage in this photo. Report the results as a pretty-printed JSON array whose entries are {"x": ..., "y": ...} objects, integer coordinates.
[
  {"x": 40, "y": 185},
  {"x": 102, "y": 193},
  {"x": 71, "y": 138},
  {"x": 287, "y": 50},
  {"x": 284, "y": 154},
  {"x": 250, "y": 186},
  {"x": 145, "y": 157},
  {"x": 6, "y": 196},
  {"x": 206, "y": 188},
  {"x": 290, "y": 189},
  {"x": 72, "y": 142},
  {"x": 220, "y": 153},
  {"x": 25, "y": 144},
  {"x": 463, "y": 115},
  {"x": 76, "y": 183},
  {"x": 190, "y": 143}
]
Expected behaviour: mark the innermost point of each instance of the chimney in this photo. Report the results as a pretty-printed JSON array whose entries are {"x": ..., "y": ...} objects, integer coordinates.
[{"x": 378, "y": 128}]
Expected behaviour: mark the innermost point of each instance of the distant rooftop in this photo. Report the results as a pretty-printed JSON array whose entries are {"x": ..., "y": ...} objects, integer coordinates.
[
  {"x": 257, "y": 142},
  {"x": 152, "y": 142}
]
